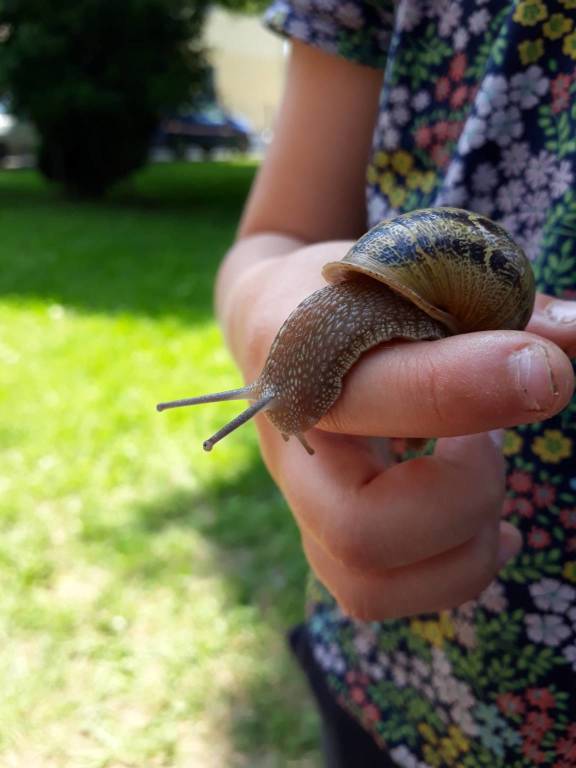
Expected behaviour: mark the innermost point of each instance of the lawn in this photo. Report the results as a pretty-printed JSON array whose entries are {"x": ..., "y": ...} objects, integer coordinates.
[{"x": 145, "y": 585}]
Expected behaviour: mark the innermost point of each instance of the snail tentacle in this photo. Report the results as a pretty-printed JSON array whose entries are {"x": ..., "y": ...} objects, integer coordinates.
[
  {"x": 265, "y": 402},
  {"x": 244, "y": 393}
]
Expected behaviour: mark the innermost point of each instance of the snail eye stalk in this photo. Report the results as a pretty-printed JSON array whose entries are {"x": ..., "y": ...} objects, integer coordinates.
[{"x": 232, "y": 394}]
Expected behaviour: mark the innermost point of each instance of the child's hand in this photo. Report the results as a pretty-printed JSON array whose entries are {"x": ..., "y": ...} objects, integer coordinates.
[
  {"x": 417, "y": 536},
  {"x": 393, "y": 540}
]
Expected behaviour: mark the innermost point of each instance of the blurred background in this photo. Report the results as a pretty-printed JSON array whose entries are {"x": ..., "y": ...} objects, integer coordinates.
[{"x": 145, "y": 586}]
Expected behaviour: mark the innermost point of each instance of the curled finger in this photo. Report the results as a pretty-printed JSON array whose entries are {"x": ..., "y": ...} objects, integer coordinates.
[
  {"x": 429, "y": 586},
  {"x": 373, "y": 519}
]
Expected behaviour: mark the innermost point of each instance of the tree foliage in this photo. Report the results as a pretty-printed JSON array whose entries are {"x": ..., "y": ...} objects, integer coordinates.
[
  {"x": 244, "y": 6},
  {"x": 95, "y": 76}
]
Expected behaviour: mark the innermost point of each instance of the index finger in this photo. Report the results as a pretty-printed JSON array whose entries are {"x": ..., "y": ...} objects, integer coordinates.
[{"x": 460, "y": 385}]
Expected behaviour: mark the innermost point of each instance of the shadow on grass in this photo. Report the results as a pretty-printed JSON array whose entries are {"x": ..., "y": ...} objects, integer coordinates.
[
  {"x": 243, "y": 517},
  {"x": 255, "y": 551},
  {"x": 152, "y": 248}
]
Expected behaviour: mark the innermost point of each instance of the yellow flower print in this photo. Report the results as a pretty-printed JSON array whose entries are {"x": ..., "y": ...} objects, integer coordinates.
[
  {"x": 458, "y": 738},
  {"x": 453, "y": 745},
  {"x": 419, "y": 180},
  {"x": 434, "y": 632},
  {"x": 569, "y": 45},
  {"x": 428, "y": 630},
  {"x": 402, "y": 162},
  {"x": 428, "y": 181},
  {"x": 372, "y": 175},
  {"x": 414, "y": 180},
  {"x": 530, "y": 51},
  {"x": 427, "y": 733},
  {"x": 387, "y": 182},
  {"x": 569, "y": 571},
  {"x": 448, "y": 751},
  {"x": 552, "y": 446},
  {"x": 557, "y": 25},
  {"x": 569, "y": 4},
  {"x": 397, "y": 196},
  {"x": 381, "y": 159},
  {"x": 446, "y": 625},
  {"x": 530, "y": 12},
  {"x": 431, "y": 756},
  {"x": 396, "y": 174},
  {"x": 512, "y": 443}
]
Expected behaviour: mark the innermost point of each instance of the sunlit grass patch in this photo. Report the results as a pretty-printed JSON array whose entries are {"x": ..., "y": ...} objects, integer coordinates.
[{"x": 145, "y": 584}]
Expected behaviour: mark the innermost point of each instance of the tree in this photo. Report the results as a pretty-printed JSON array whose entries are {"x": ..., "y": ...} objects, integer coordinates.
[
  {"x": 95, "y": 76},
  {"x": 244, "y": 6}
]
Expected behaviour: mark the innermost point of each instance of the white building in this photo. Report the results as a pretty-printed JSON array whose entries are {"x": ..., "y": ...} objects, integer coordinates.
[{"x": 249, "y": 62}]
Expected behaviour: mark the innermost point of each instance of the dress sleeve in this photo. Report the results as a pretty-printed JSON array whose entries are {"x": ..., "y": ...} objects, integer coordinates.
[{"x": 358, "y": 30}]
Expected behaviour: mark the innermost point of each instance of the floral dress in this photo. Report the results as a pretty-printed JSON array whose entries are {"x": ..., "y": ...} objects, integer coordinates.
[{"x": 478, "y": 110}]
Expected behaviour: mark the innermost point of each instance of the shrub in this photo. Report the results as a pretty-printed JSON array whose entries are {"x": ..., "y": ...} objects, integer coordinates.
[{"x": 95, "y": 76}]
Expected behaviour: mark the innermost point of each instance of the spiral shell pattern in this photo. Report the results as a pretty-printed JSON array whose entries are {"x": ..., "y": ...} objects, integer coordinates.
[{"x": 459, "y": 267}]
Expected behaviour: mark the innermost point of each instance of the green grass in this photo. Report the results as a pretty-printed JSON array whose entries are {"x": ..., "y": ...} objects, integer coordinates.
[{"x": 144, "y": 585}]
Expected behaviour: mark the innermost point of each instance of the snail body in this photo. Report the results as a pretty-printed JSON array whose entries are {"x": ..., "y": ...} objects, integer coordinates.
[{"x": 422, "y": 276}]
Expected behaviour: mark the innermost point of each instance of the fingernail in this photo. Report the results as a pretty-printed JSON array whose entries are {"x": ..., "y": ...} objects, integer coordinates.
[
  {"x": 509, "y": 545},
  {"x": 533, "y": 377},
  {"x": 563, "y": 312}
]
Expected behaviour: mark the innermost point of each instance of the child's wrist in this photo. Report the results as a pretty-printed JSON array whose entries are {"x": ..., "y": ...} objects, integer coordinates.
[
  {"x": 262, "y": 281},
  {"x": 241, "y": 296}
]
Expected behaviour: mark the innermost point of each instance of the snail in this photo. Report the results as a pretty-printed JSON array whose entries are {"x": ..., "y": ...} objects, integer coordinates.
[{"x": 424, "y": 275}]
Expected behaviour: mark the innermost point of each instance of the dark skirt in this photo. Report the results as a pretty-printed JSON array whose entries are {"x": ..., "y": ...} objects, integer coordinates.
[{"x": 345, "y": 744}]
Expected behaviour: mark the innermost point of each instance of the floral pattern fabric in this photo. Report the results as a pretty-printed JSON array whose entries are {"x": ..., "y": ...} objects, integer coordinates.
[{"x": 478, "y": 110}]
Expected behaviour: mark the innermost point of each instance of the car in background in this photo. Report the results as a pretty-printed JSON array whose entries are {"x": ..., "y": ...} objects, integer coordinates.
[
  {"x": 207, "y": 128},
  {"x": 17, "y": 137}
]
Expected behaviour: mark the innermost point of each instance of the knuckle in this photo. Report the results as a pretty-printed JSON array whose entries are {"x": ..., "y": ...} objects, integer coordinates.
[
  {"x": 496, "y": 494},
  {"x": 346, "y": 539},
  {"x": 488, "y": 508},
  {"x": 350, "y": 609},
  {"x": 480, "y": 576},
  {"x": 349, "y": 545},
  {"x": 361, "y": 605},
  {"x": 487, "y": 505},
  {"x": 337, "y": 419},
  {"x": 431, "y": 387}
]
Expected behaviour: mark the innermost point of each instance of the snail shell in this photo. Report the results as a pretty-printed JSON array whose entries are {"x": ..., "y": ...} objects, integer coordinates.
[
  {"x": 424, "y": 275},
  {"x": 459, "y": 267}
]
